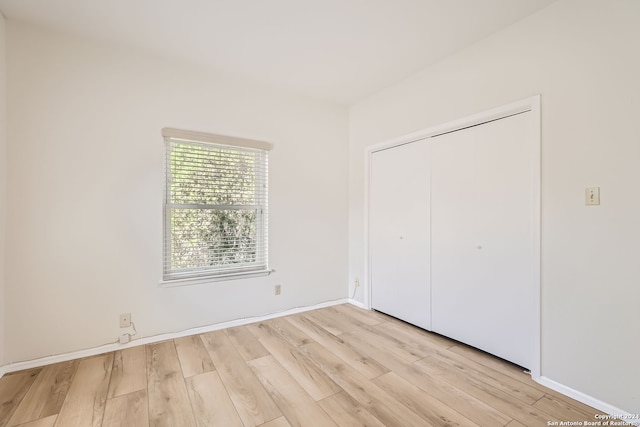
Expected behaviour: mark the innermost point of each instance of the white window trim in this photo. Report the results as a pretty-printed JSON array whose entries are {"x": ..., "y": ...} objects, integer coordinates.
[
  {"x": 210, "y": 277},
  {"x": 214, "y": 278},
  {"x": 215, "y": 139}
]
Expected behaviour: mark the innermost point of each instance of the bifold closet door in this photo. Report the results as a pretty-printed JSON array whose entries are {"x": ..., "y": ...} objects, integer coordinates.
[
  {"x": 481, "y": 237},
  {"x": 399, "y": 232}
]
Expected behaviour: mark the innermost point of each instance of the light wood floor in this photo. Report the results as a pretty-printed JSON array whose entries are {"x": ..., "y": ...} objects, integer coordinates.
[{"x": 334, "y": 366}]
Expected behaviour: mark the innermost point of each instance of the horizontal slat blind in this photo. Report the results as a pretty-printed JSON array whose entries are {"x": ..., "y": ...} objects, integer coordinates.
[{"x": 215, "y": 208}]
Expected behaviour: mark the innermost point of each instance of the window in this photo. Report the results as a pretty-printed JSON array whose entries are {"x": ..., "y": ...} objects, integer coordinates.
[{"x": 215, "y": 206}]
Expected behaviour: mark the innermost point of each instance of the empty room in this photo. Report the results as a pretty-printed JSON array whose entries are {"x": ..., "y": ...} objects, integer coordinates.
[{"x": 319, "y": 213}]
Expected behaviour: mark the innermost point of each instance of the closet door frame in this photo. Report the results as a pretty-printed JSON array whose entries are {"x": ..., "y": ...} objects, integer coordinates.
[{"x": 531, "y": 105}]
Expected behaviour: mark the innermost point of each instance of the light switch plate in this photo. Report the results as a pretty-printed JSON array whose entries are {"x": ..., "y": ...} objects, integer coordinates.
[{"x": 592, "y": 196}]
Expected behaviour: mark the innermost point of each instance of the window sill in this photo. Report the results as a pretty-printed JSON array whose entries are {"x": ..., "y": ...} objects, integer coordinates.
[{"x": 199, "y": 280}]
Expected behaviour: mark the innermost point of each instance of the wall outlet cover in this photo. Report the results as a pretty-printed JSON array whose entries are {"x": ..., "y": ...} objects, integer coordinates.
[{"x": 125, "y": 320}]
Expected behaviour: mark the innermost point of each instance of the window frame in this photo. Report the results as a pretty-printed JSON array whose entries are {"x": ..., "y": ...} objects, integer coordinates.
[{"x": 177, "y": 277}]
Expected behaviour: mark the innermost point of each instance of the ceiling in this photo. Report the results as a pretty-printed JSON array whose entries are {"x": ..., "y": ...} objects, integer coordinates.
[{"x": 336, "y": 50}]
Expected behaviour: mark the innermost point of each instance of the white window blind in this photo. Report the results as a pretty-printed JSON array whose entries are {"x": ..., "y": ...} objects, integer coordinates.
[{"x": 215, "y": 206}]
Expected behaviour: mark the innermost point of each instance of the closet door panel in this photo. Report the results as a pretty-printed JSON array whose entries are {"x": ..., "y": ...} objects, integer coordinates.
[
  {"x": 481, "y": 237},
  {"x": 399, "y": 232}
]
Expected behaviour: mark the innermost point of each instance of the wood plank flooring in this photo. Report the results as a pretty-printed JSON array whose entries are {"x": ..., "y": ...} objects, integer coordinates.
[{"x": 336, "y": 366}]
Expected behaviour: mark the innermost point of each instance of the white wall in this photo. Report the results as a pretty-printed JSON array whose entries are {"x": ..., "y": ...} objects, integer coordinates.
[
  {"x": 3, "y": 178},
  {"x": 582, "y": 57},
  {"x": 85, "y": 193}
]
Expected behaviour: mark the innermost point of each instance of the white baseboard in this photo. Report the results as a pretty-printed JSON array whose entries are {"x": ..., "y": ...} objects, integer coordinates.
[
  {"x": 589, "y": 400},
  {"x": 357, "y": 304},
  {"x": 106, "y": 348}
]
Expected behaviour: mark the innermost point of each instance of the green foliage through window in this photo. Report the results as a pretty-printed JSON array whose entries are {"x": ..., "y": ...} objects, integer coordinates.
[{"x": 215, "y": 209}]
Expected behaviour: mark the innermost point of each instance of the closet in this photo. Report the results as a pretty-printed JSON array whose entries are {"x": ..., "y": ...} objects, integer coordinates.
[{"x": 452, "y": 234}]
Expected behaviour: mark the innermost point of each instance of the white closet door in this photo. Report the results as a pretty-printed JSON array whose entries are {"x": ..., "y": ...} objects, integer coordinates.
[
  {"x": 399, "y": 232},
  {"x": 481, "y": 237}
]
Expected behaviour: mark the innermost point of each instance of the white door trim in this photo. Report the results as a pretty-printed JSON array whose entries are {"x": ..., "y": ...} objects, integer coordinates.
[{"x": 531, "y": 104}]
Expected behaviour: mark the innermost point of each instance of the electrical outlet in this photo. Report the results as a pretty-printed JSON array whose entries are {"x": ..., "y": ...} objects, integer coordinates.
[
  {"x": 278, "y": 289},
  {"x": 125, "y": 320},
  {"x": 356, "y": 282}
]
